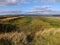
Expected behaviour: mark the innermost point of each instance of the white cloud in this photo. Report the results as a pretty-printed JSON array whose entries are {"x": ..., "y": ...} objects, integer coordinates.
[
  {"x": 37, "y": 1},
  {"x": 47, "y": 0},
  {"x": 8, "y": 2},
  {"x": 10, "y": 12},
  {"x": 11, "y": 1},
  {"x": 15, "y": 2},
  {"x": 42, "y": 10}
]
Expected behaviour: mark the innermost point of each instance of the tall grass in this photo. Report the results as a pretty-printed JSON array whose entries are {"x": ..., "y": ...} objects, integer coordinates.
[{"x": 29, "y": 31}]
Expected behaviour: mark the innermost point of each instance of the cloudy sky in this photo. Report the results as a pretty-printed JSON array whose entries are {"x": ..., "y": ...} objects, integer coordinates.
[{"x": 30, "y": 6}]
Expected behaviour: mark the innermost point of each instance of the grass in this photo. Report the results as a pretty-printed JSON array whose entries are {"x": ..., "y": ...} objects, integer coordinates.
[
  {"x": 52, "y": 22},
  {"x": 30, "y": 31}
]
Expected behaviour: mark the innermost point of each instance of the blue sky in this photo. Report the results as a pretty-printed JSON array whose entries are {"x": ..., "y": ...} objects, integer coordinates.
[
  {"x": 47, "y": 6},
  {"x": 10, "y": 8},
  {"x": 54, "y": 6}
]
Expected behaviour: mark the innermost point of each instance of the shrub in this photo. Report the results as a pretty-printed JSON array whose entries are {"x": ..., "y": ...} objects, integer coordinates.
[
  {"x": 5, "y": 42},
  {"x": 7, "y": 27}
]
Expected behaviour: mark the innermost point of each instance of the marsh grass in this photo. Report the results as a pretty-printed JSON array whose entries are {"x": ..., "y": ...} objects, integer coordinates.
[{"x": 30, "y": 31}]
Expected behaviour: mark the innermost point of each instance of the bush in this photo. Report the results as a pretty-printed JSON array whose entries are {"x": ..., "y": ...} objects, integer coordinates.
[
  {"x": 7, "y": 27},
  {"x": 5, "y": 42}
]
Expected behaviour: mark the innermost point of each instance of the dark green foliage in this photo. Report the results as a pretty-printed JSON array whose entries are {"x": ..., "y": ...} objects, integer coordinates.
[
  {"x": 30, "y": 38},
  {"x": 2, "y": 17},
  {"x": 5, "y": 42},
  {"x": 7, "y": 28}
]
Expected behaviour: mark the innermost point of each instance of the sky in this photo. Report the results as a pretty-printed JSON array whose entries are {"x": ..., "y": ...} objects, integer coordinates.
[{"x": 30, "y": 6}]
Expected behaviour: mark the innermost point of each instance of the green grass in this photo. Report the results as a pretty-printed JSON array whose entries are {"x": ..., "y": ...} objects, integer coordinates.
[
  {"x": 26, "y": 33},
  {"x": 53, "y": 23}
]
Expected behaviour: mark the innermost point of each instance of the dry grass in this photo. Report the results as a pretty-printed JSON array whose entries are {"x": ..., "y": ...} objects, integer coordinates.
[{"x": 34, "y": 31}]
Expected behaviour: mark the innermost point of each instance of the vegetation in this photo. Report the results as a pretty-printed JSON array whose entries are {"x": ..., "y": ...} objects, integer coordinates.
[{"x": 21, "y": 30}]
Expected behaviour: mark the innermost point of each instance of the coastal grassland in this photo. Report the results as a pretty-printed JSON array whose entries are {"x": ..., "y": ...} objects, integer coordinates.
[{"x": 25, "y": 30}]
